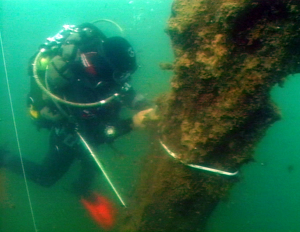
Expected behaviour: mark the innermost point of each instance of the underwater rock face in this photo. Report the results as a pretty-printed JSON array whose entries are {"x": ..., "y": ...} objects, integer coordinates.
[{"x": 228, "y": 56}]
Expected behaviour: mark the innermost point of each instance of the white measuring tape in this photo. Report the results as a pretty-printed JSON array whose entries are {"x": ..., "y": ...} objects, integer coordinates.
[{"x": 197, "y": 166}]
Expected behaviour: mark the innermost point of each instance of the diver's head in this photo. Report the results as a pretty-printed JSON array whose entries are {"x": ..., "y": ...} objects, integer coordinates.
[
  {"x": 116, "y": 59},
  {"x": 89, "y": 30},
  {"x": 121, "y": 57}
]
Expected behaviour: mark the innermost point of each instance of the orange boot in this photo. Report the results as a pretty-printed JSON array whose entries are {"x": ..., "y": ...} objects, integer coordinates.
[{"x": 101, "y": 210}]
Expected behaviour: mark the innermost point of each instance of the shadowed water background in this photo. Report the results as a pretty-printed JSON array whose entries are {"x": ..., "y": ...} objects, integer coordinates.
[{"x": 266, "y": 199}]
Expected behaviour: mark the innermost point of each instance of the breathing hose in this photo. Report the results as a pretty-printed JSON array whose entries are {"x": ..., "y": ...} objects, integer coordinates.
[{"x": 63, "y": 101}]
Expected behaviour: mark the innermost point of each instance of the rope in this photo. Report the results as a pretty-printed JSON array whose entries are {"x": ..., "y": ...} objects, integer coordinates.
[{"x": 16, "y": 132}]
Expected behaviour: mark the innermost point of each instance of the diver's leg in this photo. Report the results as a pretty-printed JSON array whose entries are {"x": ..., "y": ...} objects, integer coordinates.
[
  {"x": 88, "y": 172},
  {"x": 53, "y": 167},
  {"x": 3, "y": 154}
]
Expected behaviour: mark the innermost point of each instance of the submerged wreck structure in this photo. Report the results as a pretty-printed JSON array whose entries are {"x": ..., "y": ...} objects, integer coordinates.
[{"x": 228, "y": 56}]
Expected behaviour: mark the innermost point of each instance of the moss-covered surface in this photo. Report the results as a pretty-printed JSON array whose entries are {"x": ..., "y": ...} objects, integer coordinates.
[{"x": 229, "y": 54}]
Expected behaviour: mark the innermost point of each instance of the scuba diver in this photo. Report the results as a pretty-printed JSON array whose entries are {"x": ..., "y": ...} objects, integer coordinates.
[{"x": 79, "y": 82}]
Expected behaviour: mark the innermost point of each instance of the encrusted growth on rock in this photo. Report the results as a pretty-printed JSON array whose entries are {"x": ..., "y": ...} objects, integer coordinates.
[{"x": 228, "y": 56}]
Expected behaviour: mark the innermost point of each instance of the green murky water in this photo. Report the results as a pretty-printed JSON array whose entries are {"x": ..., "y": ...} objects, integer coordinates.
[{"x": 266, "y": 199}]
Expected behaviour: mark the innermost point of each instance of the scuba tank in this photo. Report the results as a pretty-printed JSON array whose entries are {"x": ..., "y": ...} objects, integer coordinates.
[{"x": 84, "y": 53}]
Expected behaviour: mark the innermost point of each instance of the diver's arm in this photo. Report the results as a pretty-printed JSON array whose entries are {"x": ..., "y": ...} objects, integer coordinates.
[
  {"x": 125, "y": 126},
  {"x": 135, "y": 101},
  {"x": 50, "y": 115},
  {"x": 42, "y": 112},
  {"x": 141, "y": 117},
  {"x": 138, "y": 102}
]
